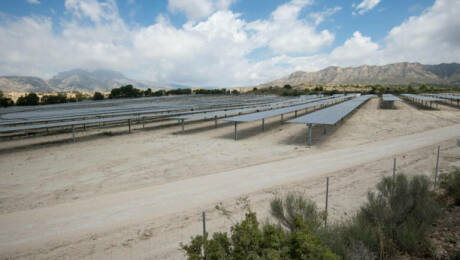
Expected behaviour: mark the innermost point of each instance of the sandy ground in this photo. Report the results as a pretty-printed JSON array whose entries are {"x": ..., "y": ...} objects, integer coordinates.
[{"x": 139, "y": 195}]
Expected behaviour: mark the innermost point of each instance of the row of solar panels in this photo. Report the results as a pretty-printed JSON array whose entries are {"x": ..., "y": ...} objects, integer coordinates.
[
  {"x": 272, "y": 108},
  {"x": 271, "y": 113},
  {"x": 101, "y": 112},
  {"x": 185, "y": 103},
  {"x": 445, "y": 96},
  {"x": 421, "y": 98},
  {"x": 331, "y": 115},
  {"x": 389, "y": 98},
  {"x": 130, "y": 117}
]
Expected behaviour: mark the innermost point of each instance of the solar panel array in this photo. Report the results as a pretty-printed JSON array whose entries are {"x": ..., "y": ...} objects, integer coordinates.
[
  {"x": 72, "y": 115},
  {"x": 275, "y": 112},
  {"x": 446, "y": 96},
  {"x": 331, "y": 115},
  {"x": 390, "y": 97},
  {"x": 421, "y": 98}
]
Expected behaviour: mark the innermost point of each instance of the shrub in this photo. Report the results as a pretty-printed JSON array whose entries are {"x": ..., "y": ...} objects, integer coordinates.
[
  {"x": 98, "y": 96},
  {"x": 222, "y": 91},
  {"x": 249, "y": 240},
  {"x": 179, "y": 91},
  {"x": 4, "y": 101},
  {"x": 30, "y": 99},
  {"x": 54, "y": 99},
  {"x": 293, "y": 205},
  {"x": 397, "y": 217},
  {"x": 125, "y": 92},
  {"x": 450, "y": 182}
]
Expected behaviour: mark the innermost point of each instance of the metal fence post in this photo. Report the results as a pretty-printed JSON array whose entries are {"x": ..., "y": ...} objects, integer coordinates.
[
  {"x": 437, "y": 168},
  {"x": 204, "y": 232},
  {"x": 394, "y": 169},
  {"x": 327, "y": 198}
]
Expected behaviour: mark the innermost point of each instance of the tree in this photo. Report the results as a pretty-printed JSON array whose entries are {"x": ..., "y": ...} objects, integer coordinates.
[
  {"x": 127, "y": 91},
  {"x": 148, "y": 92},
  {"x": 54, "y": 99},
  {"x": 4, "y": 101},
  {"x": 30, "y": 99},
  {"x": 235, "y": 92},
  {"x": 287, "y": 86},
  {"x": 179, "y": 91},
  {"x": 98, "y": 96},
  {"x": 79, "y": 96}
]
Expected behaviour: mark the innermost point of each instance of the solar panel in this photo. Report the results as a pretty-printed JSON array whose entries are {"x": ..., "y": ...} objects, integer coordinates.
[
  {"x": 275, "y": 112},
  {"x": 331, "y": 115},
  {"x": 421, "y": 98},
  {"x": 446, "y": 96},
  {"x": 389, "y": 97}
]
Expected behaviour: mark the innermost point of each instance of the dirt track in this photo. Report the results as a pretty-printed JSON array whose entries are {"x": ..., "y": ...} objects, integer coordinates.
[{"x": 37, "y": 227}]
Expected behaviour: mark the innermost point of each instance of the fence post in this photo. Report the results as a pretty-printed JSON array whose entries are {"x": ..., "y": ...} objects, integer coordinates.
[
  {"x": 436, "y": 169},
  {"x": 394, "y": 170},
  {"x": 204, "y": 232},
  {"x": 327, "y": 198}
]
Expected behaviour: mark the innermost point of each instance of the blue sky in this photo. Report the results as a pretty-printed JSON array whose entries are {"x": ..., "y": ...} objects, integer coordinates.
[{"x": 223, "y": 43}]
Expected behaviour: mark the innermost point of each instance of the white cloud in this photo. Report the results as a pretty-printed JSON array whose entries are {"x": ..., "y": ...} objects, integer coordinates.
[
  {"x": 93, "y": 9},
  {"x": 319, "y": 17},
  {"x": 358, "y": 49},
  {"x": 431, "y": 37},
  {"x": 366, "y": 5},
  {"x": 214, "y": 51},
  {"x": 197, "y": 9},
  {"x": 35, "y": 2},
  {"x": 285, "y": 32}
]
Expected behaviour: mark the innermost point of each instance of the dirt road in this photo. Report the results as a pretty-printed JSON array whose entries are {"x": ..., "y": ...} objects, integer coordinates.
[{"x": 36, "y": 228}]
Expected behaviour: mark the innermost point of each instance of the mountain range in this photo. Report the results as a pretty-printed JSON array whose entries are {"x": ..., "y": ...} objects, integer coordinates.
[
  {"x": 398, "y": 74},
  {"x": 77, "y": 79}
]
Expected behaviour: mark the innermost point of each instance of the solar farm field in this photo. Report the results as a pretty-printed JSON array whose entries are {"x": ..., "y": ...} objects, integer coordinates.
[{"x": 128, "y": 179}]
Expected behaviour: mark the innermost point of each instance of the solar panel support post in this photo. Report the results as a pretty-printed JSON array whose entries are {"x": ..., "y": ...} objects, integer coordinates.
[
  {"x": 129, "y": 125},
  {"x": 281, "y": 121},
  {"x": 235, "y": 136},
  {"x": 143, "y": 122},
  {"x": 73, "y": 133},
  {"x": 182, "y": 125},
  {"x": 215, "y": 121},
  {"x": 295, "y": 113},
  {"x": 309, "y": 130},
  {"x": 263, "y": 124}
]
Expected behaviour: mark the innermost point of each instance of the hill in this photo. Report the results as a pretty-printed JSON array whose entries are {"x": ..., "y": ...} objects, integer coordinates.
[
  {"x": 77, "y": 79},
  {"x": 24, "y": 84},
  {"x": 401, "y": 74}
]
